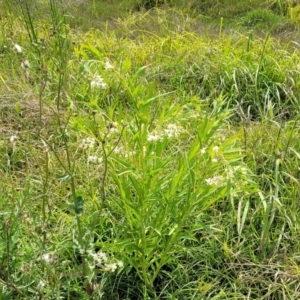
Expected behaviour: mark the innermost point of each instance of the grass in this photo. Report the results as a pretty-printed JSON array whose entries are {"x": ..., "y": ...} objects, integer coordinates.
[{"x": 155, "y": 157}]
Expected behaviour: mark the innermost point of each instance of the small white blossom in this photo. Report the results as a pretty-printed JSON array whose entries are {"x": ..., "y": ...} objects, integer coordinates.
[
  {"x": 99, "y": 258},
  {"x": 17, "y": 48},
  {"x": 111, "y": 267},
  {"x": 217, "y": 180},
  {"x": 241, "y": 170},
  {"x": 154, "y": 137},
  {"x": 216, "y": 149},
  {"x": 203, "y": 150},
  {"x": 172, "y": 130},
  {"x": 94, "y": 159},
  {"x": 236, "y": 171},
  {"x": 108, "y": 65},
  {"x": 194, "y": 115},
  {"x": 120, "y": 264},
  {"x": 13, "y": 139},
  {"x": 102, "y": 256},
  {"x": 98, "y": 82},
  {"x": 129, "y": 154},
  {"x": 112, "y": 129},
  {"x": 87, "y": 143},
  {"x": 48, "y": 258},
  {"x": 41, "y": 285},
  {"x": 118, "y": 150},
  {"x": 25, "y": 64}
]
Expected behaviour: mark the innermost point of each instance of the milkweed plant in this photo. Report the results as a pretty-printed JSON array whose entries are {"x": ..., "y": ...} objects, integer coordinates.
[{"x": 125, "y": 168}]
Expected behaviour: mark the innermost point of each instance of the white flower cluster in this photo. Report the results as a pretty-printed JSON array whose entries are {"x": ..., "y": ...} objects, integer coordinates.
[
  {"x": 98, "y": 82},
  {"x": 236, "y": 171},
  {"x": 170, "y": 131},
  {"x": 118, "y": 150},
  {"x": 108, "y": 65},
  {"x": 216, "y": 149},
  {"x": 87, "y": 143},
  {"x": 236, "y": 174},
  {"x": 203, "y": 150},
  {"x": 112, "y": 129},
  {"x": 100, "y": 259},
  {"x": 95, "y": 79},
  {"x": 122, "y": 151},
  {"x": 94, "y": 159},
  {"x": 217, "y": 180},
  {"x": 129, "y": 154},
  {"x": 48, "y": 258},
  {"x": 113, "y": 267},
  {"x": 154, "y": 137}
]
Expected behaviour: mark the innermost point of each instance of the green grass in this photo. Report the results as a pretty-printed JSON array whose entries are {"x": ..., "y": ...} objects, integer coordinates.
[{"x": 153, "y": 156}]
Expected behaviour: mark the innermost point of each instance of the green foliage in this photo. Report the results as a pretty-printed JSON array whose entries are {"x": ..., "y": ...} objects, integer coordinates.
[
  {"x": 153, "y": 161},
  {"x": 294, "y": 13},
  {"x": 225, "y": 9},
  {"x": 261, "y": 19},
  {"x": 158, "y": 193}
]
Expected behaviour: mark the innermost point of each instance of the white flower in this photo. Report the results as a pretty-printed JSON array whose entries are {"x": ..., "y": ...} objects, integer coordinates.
[
  {"x": 87, "y": 143},
  {"x": 118, "y": 150},
  {"x": 154, "y": 137},
  {"x": 108, "y": 65},
  {"x": 120, "y": 264},
  {"x": 25, "y": 64},
  {"x": 99, "y": 258},
  {"x": 48, "y": 258},
  {"x": 203, "y": 150},
  {"x": 17, "y": 48},
  {"x": 41, "y": 285},
  {"x": 94, "y": 159},
  {"x": 241, "y": 170},
  {"x": 102, "y": 256},
  {"x": 216, "y": 149},
  {"x": 98, "y": 82},
  {"x": 13, "y": 139},
  {"x": 111, "y": 267},
  {"x": 112, "y": 129},
  {"x": 236, "y": 172},
  {"x": 172, "y": 130},
  {"x": 217, "y": 180},
  {"x": 129, "y": 154}
]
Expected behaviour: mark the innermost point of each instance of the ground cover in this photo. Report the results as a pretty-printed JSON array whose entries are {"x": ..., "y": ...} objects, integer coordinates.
[{"x": 155, "y": 157}]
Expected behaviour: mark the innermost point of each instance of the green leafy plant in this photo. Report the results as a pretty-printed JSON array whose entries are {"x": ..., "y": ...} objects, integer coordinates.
[{"x": 154, "y": 158}]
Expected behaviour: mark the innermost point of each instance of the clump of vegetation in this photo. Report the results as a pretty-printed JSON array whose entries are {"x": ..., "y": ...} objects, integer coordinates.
[
  {"x": 260, "y": 19},
  {"x": 154, "y": 160}
]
